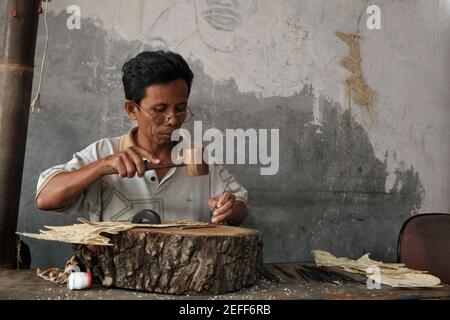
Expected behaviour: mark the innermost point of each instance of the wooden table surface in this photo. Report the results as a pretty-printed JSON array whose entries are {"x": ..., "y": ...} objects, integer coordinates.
[{"x": 24, "y": 284}]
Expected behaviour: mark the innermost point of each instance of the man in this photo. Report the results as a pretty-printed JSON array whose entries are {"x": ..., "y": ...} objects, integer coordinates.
[{"x": 157, "y": 87}]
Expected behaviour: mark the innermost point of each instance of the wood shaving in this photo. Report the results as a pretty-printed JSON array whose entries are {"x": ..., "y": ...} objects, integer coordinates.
[
  {"x": 391, "y": 274},
  {"x": 90, "y": 233}
]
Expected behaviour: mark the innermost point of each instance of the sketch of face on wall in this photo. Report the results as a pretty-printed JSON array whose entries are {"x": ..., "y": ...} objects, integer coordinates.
[
  {"x": 222, "y": 23},
  {"x": 260, "y": 44}
]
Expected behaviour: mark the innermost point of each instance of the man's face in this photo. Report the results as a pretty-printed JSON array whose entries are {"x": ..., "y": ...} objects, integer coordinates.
[
  {"x": 162, "y": 99},
  {"x": 220, "y": 22}
]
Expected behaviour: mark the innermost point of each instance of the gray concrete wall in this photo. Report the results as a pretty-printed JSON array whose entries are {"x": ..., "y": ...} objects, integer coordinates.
[{"x": 341, "y": 189}]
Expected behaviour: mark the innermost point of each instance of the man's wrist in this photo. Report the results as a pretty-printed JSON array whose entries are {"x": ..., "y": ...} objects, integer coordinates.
[{"x": 99, "y": 169}]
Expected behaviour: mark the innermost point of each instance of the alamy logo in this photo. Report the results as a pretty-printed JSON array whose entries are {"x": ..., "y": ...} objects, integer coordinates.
[
  {"x": 74, "y": 20},
  {"x": 374, "y": 19},
  {"x": 373, "y": 277},
  {"x": 238, "y": 143}
]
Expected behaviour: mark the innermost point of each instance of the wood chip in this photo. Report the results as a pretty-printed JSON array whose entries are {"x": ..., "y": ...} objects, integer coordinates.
[
  {"x": 90, "y": 233},
  {"x": 391, "y": 274}
]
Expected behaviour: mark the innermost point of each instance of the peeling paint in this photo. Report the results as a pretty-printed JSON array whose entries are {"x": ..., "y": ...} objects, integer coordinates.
[{"x": 365, "y": 96}]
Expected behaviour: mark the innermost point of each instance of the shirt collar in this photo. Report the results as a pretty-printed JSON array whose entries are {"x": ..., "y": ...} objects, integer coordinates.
[{"x": 127, "y": 140}]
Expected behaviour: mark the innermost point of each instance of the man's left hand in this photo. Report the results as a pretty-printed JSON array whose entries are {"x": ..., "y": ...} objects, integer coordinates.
[{"x": 222, "y": 207}]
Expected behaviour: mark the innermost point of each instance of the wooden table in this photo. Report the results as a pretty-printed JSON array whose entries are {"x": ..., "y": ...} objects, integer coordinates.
[{"x": 25, "y": 284}]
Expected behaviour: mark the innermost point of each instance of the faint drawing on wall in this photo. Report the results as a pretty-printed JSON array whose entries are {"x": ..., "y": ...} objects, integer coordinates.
[
  {"x": 221, "y": 22},
  {"x": 261, "y": 45},
  {"x": 222, "y": 25}
]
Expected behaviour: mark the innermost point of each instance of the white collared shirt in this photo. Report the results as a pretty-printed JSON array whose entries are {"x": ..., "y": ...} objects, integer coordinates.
[{"x": 176, "y": 197}]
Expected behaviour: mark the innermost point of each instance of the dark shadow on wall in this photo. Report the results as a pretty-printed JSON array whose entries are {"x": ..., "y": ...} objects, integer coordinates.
[{"x": 330, "y": 189}]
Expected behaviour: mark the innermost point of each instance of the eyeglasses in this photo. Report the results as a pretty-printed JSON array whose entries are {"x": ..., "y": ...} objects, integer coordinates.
[{"x": 160, "y": 118}]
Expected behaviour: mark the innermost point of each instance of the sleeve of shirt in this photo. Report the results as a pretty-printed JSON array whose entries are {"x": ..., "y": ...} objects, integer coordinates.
[
  {"x": 88, "y": 201},
  {"x": 219, "y": 177}
]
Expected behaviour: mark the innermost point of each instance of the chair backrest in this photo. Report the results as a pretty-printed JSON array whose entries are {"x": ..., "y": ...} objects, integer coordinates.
[{"x": 424, "y": 244}]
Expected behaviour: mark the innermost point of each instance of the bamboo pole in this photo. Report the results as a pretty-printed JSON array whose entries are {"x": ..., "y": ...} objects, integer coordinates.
[{"x": 16, "y": 79}]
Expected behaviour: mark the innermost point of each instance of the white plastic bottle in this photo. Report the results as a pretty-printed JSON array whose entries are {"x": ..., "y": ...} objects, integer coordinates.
[{"x": 79, "y": 280}]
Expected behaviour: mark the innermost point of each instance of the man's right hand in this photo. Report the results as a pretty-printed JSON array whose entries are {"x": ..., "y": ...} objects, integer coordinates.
[{"x": 127, "y": 162}]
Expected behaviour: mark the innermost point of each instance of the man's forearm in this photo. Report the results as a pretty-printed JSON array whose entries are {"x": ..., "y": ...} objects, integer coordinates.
[{"x": 64, "y": 188}]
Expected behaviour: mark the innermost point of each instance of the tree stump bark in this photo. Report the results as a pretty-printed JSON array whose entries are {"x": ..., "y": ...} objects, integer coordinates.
[{"x": 196, "y": 261}]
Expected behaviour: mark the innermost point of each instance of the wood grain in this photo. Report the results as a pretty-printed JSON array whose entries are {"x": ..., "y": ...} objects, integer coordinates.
[{"x": 177, "y": 261}]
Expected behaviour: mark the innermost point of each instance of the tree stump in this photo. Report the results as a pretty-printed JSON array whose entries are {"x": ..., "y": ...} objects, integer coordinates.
[{"x": 196, "y": 261}]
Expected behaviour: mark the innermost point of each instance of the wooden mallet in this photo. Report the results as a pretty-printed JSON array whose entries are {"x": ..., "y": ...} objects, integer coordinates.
[{"x": 192, "y": 168}]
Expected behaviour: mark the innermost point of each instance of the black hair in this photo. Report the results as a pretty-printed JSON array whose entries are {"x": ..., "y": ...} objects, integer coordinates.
[{"x": 153, "y": 67}]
